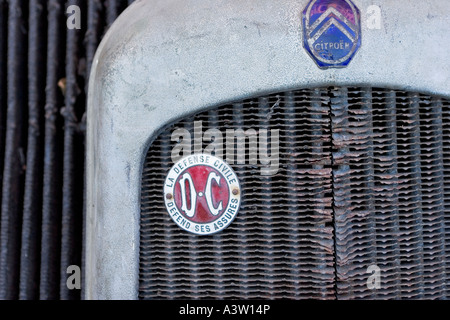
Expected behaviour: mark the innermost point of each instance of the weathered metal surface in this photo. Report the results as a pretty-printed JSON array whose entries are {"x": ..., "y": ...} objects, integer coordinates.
[
  {"x": 280, "y": 244},
  {"x": 391, "y": 198},
  {"x": 362, "y": 183},
  {"x": 72, "y": 204},
  {"x": 42, "y": 141},
  {"x": 165, "y": 60},
  {"x": 52, "y": 180},
  {"x": 389, "y": 193},
  {"x": 13, "y": 172},
  {"x": 32, "y": 203},
  {"x": 391, "y": 207}
]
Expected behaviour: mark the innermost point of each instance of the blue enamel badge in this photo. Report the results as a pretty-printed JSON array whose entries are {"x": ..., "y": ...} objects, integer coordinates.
[{"x": 331, "y": 32}]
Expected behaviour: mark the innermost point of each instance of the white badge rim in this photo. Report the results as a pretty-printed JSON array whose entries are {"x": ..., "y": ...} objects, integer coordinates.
[{"x": 169, "y": 186}]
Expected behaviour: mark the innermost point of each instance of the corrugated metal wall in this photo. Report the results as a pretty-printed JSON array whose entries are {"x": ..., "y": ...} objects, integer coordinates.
[{"x": 44, "y": 70}]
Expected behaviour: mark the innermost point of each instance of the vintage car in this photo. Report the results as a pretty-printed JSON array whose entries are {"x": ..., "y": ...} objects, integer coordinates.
[{"x": 271, "y": 149}]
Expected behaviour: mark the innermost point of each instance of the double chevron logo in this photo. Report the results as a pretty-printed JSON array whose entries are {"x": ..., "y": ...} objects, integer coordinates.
[{"x": 331, "y": 32}]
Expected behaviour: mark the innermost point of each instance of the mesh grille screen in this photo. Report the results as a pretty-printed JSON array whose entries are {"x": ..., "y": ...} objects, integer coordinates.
[{"x": 363, "y": 181}]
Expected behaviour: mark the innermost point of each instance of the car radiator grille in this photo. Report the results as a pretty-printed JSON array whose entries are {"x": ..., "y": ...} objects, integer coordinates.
[
  {"x": 370, "y": 187},
  {"x": 363, "y": 181},
  {"x": 44, "y": 71}
]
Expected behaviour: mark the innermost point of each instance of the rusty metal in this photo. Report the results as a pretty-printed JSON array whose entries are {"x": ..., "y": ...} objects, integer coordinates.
[
  {"x": 389, "y": 193},
  {"x": 362, "y": 182},
  {"x": 275, "y": 248}
]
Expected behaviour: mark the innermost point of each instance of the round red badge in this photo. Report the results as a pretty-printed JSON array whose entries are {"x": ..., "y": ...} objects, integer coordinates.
[{"x": 202, "y": 194}]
